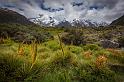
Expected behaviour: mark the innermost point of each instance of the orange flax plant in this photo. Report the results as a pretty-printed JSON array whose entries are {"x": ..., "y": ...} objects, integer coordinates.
[
  {"x": 33, "y": 52},
  {"x": 61, "y": 44},
  {"x": 20, "y": 49}
]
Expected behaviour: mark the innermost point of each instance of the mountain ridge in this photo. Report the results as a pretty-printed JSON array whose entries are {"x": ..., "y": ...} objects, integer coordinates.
[
  {"x": 119, "y": 21},
  {"x": 10, "y": 16}
]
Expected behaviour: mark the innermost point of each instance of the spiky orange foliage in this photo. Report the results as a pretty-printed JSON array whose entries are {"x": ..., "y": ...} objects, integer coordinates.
[
  {"x": 100, "y": 61},
  {"x": 88, "y": 54},
  {"x": 20, "y": 50}
]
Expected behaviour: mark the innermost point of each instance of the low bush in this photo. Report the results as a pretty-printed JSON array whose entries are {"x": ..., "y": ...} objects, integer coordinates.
[
  {"x": 121, "y": 41},
  {"x": 74, "y": 37},
  {"x": 106, "y": 35}
]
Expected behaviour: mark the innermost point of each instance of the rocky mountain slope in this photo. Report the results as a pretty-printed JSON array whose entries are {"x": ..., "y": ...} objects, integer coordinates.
[
  {"x": 9, "y": 16},
  {"x": 119, "y": 21}
]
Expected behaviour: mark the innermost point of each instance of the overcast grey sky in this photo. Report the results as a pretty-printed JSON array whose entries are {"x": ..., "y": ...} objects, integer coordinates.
[{"x": 95, "y": 10}]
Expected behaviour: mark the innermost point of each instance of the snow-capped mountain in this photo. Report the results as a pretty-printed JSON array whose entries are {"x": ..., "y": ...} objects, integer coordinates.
[
  {"x": 87, "y": 23},
  {"x": 51, "y": 21},
  {"x": 44, "y": 20}
]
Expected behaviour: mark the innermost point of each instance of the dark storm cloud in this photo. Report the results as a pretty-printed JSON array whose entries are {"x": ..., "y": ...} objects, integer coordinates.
[
  {"x": 96, "y": 10},
  {"x": 77, "y": 4},
  {"x": 116, "y": 12},
  {"x": 104, "y": 3}
]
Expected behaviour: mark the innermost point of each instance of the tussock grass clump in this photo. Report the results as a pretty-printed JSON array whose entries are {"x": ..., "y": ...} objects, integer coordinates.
[
  {"x": 43, "y": 49},
  {"x": 53, "y": 45},
  {"x": 115, "y": 52},
  {"x": 66, "y": 60},
  {"x": 75, "y": 49},
  {"x": 8, "y": 65},
  {"x": 6, "y": 41},
  {"x": 91, "y": 47},
  {"x": 61, "y": 75},
  {"x": 116, "y": 55},
  {"x": 25, "y": 74},
  {"x": 89, "y": 73},
  {"x": 14, "y": 68},
  {"x": 102, "y": 52}
]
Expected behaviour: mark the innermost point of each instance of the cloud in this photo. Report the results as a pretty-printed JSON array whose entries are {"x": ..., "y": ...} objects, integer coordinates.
[
  {"x": 107, "y": 3},
  {"x": 95, "y": 10}
]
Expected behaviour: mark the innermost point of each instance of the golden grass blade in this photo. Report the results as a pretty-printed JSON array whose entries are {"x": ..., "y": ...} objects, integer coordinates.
[
  {"x": 33, "y": 52},
  {"x": 61, "y": 44}
]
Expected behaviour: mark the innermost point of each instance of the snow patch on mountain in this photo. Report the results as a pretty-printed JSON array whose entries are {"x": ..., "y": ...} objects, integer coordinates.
[{"x": 45, "y": 20}]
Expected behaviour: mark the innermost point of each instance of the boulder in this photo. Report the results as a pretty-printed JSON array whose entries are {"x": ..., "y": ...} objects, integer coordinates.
[{"x": 109, "y": 44}]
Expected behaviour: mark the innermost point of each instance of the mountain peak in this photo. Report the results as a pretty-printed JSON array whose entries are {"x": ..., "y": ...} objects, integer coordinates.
[{"x": 51, "y": 21}]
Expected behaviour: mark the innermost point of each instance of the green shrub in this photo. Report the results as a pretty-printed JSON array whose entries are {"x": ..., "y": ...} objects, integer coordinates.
[
  {"x": 106, "y": 35},
  {"x": 121, "y": 41},
  {"x": 74, "y": 37},
  {"x": 20, "y": 33}
]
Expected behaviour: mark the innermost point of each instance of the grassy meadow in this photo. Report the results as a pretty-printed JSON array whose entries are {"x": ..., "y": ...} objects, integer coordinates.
[{"x": 54, "y": 59}]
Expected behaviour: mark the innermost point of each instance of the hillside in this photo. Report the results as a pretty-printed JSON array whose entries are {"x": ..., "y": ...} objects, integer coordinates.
[
  {"x": 9, "y": 16},
  {"x": 119, "y": 21},
  {"x": 19, "y": 28}
]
